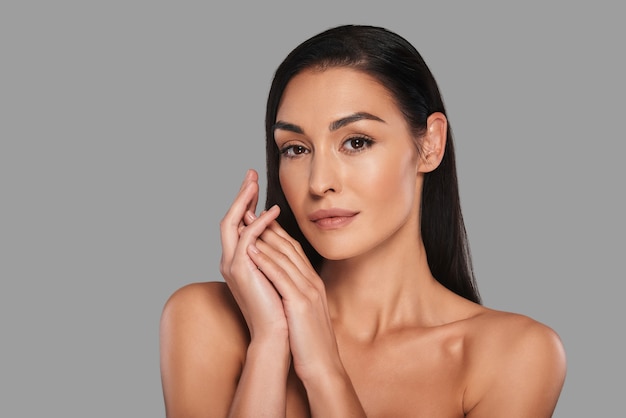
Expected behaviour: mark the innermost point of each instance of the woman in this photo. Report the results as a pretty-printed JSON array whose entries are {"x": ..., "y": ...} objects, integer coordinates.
[{"x": 353, "y": 293}]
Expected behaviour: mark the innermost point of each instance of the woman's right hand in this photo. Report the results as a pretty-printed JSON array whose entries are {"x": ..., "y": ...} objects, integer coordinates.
[{"x": 258, "y": 301}]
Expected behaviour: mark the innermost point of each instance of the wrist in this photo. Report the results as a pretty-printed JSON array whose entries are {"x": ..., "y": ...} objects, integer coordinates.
[
  {"x": 333, "y": 395},
  {"x": 326, "y": 380},
  {"x": 266, "y": 349}
]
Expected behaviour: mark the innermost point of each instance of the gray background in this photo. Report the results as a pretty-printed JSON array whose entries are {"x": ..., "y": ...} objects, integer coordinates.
[{"x": 126, "y": 128}]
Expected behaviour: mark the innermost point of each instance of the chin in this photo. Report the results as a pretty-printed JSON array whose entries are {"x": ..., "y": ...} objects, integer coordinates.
[{"x": 336, "y": 250}]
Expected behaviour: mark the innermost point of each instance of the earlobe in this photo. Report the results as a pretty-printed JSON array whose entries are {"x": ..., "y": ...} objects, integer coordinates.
[{"x": 434, "y": 142}]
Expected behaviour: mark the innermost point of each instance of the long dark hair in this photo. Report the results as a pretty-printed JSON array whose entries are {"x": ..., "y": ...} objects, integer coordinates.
[{"x": 398, "y": 66}]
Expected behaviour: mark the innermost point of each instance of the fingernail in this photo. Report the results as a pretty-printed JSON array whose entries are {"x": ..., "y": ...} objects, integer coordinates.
[
  {"x": 250, "y": 216},
  {"x": 253, "y": 248}
]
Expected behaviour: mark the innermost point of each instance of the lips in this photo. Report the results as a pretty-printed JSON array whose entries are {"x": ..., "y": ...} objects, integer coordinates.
[{"x": 332, "y": 218}]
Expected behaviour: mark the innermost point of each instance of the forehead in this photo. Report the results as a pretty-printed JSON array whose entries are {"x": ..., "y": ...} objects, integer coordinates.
[{"x": 332, "y": 93}]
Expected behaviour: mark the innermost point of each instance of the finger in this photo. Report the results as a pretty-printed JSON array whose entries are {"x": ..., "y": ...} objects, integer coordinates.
[
  {"x": 275, "y": 264},
  {"x": 284, "y": 276},
  {"x": 234, "y": 215},
  {"x": 249, "y": 217},
  {"x": 238, "y": 269},
  {"x": 248, "y": 178},
  {"x": 247, "y": 236},
  {"x": 276, "y": 236},
  {"x": 251, "y": 232},
  {"x": 250, "y": 175},
  {"x": 230, "y": 224},
  {"x": 254, "y": 177}
]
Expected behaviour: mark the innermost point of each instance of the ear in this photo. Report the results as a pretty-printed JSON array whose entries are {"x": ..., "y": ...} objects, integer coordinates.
[{"x": 433, "y": 142}]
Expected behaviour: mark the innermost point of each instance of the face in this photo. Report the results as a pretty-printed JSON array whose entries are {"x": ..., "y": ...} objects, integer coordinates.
[{"x": 348, "y": 164}]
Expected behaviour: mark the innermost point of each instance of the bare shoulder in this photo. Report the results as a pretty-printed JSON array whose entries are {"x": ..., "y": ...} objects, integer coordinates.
[
  {"x": 206, "y": 313},
  {"x": 516, "y": 365},
  {"x": 511, "y": 330},
  {"x": 206, "y": 303},
  {"x": 203, "y": 340}
]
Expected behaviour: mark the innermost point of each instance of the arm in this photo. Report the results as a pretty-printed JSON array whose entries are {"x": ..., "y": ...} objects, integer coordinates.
[
  {"x": 261, "y": 391},
  {"x": 226, "y": 353},
  {"x": 207, "y": 366},
  {"x": 202, "y": 347},
  {"x": 311, "y": 337},
  {"x": 524, "y": 376}
]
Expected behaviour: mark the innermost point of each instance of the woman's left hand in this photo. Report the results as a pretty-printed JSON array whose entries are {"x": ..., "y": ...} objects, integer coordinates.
[{"x": 311, "y": 337}]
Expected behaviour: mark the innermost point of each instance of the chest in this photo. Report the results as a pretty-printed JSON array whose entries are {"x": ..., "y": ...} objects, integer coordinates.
[{"x": 407, "y": 377}]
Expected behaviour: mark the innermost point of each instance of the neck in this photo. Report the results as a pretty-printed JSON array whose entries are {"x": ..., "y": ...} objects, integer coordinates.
[{"x": 388, "y": 288}]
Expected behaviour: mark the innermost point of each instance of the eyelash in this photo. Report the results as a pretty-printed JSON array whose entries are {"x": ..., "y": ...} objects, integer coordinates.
[
  {"x": 288, "y": 151},
  {"x": 367, "y": 143}
]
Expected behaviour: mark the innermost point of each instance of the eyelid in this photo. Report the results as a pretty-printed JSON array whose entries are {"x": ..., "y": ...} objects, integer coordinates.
[
  {"x": 367, "y": 143},
  {"x": 286, "y": 150},
  {"x": 288, "y": 147}
]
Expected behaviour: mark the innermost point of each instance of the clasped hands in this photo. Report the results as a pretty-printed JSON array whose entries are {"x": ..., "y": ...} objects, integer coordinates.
[{"x": 278, "y": 291}]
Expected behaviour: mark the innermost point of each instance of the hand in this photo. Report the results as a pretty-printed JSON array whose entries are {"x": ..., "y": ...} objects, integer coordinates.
[
  {"x": 259, "y": 302},
  {"x": 311, "y": 337}
]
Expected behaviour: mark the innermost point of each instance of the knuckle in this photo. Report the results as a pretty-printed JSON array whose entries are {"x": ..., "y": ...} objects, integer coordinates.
[
  {"x": 319, "y": 286},
  {"x": 223, "y": 265},
  {"x": 235, "y": 270},
  {"x": 278, "y": 273},
  {"x": 301, "y": 305},
  {"x": 225, "y": 271},
  {"x": 285, "y": 247},
  {"x": 283, "y": 257},
  {"x": 312, "y": 294},
  {"x": 296, "y": 245},
  {"x": 246, "y": 232}
]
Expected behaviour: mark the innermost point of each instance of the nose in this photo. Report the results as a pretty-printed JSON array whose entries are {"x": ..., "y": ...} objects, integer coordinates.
[{"x": 324, "y": 176}]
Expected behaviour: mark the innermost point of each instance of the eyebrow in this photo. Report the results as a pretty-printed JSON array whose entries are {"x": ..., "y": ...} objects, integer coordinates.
[
  {"x": 287, "y": 127},
  {"x": 339, "y": 123}
]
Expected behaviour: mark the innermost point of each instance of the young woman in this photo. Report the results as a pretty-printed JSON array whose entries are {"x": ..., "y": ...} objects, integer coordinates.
[{"x": 352, "y": 294}]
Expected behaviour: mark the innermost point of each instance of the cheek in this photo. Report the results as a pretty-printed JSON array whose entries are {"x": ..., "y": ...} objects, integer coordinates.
[
  {"x": 292, "y": 186},
  {"x": 393, "y": 180}
]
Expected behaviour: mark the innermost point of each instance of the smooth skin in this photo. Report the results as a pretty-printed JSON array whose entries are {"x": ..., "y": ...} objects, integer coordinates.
[{"x": 373, "y": 334}]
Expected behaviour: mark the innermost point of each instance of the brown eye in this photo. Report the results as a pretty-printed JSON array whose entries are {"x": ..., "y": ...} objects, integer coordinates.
[
  {"x": 357, "y": 144},
  {"x": 293, "y": 151}
]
